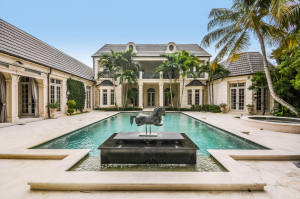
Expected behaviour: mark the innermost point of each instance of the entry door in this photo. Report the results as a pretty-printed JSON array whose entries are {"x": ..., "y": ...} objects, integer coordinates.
[
  {"x": 151, "y": 99},
  {"x": 262, "y": 103},
  {"x": 27, "y": 102},
  {"x": 237, "y": 97}
]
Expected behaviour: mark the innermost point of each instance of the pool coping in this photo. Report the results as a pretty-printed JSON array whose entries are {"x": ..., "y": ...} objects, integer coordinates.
[{"x": 239, "y": 177}]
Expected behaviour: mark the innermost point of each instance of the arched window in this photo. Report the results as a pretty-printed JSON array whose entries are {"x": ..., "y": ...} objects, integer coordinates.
[
  {"x": 171, "y": 47},
  {"x": 131, "y": 47},
  {"x": 150, "y": 90},
  {"x": 135, "y": 101}
]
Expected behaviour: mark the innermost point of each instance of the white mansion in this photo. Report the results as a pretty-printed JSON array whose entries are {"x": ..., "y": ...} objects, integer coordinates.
[{"x": 32, "y": 73}]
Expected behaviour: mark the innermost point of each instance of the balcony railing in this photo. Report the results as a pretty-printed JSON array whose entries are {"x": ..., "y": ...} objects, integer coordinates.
[
  {"x": 107, "y": 76},
  {"x": 173, "y": 75},
  {"x": 149, "y": 75},
  {"x": 202, "y": 75}
]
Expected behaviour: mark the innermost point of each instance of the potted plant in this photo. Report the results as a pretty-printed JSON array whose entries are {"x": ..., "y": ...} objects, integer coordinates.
[
  {"x": 223, "y": 107},
  {"x": 250, "y": 108},
  {"x": 53, "y": 108},
  {"x": 71, "y": 104}
]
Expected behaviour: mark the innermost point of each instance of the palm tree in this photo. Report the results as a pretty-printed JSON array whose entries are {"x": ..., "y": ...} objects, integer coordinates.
[
  {"x": 206, "y": 68},
  {"x": 187, "y": 62},
  {"x": 130, "y": 77},
  {"x": 167, "y": 67},
  {"x": 110, "y": 62},
  {"x": 127, "y": 63},
  {"x": 261, "y": 17}
]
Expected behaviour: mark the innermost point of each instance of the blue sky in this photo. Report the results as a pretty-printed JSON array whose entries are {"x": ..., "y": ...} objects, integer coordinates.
[{"x": 80, "y": 28}]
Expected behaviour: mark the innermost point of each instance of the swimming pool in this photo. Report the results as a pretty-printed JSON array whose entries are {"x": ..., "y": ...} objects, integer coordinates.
[{"x": 204, "y": 136}]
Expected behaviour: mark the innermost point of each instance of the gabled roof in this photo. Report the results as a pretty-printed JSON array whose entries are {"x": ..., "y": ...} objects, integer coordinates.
[
  {"x": 247, "y": 64},
  {"x": 18, "y": 43},
  {"x": 195, "y": 83},
  {"x": 153, "y": 50}
]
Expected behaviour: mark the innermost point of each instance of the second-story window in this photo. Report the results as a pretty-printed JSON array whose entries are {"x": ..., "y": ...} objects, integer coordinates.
[
  {"x": 171, "y": 47},
  {"x": 189, "y": 97},
  {"x": 197, "y": 97},
  {"x": 104, "y": 97},
  {"x": 131, "y": 47}
]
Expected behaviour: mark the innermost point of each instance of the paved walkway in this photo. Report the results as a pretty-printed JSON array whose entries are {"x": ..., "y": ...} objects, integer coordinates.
[{"x": 282, "y": 177}]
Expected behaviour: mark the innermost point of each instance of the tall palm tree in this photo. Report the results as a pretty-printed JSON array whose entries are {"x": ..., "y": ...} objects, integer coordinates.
[
  {"x": 219, "y": 72},
  {"x": 127, "y": 63},
  {"x": 206, "y": 68},
  {"x": 110, "y": 62},
  {"x": 167, "y": 67},
  {"x": 261, "y": 17},
  {"x": 130, "y": 78},
  {"x": 187, "y": 62}
]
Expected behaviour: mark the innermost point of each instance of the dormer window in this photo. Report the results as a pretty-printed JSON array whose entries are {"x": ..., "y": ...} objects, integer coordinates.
[
  {"x": 171, "y": 48},
  {"x": 131, "y": 46}
]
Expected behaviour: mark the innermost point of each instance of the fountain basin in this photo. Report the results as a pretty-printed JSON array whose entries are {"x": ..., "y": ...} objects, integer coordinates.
[
  {"x": 154, "y": 152},
  {"x": 272, "y": 123}
]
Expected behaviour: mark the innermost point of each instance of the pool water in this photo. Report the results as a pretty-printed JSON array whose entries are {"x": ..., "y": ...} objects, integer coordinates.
[{"x": 203, "y": 135}]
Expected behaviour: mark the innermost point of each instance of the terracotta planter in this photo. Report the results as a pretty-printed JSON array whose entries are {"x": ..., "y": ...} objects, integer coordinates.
[
  {"x": 53, "y": 113},
  {"x": 223, "y": 109},
  {"x": 250, "y": 110}
]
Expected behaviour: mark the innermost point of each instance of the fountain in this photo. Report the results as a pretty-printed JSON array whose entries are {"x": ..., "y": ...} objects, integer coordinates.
[{"x": 148, "y": 147}]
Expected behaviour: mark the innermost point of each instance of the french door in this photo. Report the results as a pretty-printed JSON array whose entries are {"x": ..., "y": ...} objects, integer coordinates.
[
  {"x": 151, "y": 99},
  {"x": 237, "y": 96},
  {"x": 27, "y": 101},
  {"x": 262, "y": 103}
]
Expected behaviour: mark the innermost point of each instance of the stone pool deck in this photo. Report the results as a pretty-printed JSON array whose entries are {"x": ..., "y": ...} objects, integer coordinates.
[{"x": 282, "y": 178}]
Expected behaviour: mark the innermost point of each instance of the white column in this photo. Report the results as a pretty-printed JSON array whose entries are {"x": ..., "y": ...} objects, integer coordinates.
[
  {"x": 96, "y": 68},
  {"x": 249, "y": 96},
  {"x": 161, "y": 93},
  {"x": 183, "y": 104},
  {"x": 141, "y": 95},
  {"x": 12, "y": 99},
  {"x": 160, "y": 75},
  {"x": 43, "y": 94},
  {"x": 193, "y": 96},
  {"x": 140, "y": 74},
  {"x": 201, "y": 95},
  {"x": 108, "y": 97}
]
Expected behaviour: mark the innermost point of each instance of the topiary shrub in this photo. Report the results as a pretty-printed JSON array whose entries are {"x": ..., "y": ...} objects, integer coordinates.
[
  {"x": 77, "y": 93},
  {"x": 71, "y": 104}
]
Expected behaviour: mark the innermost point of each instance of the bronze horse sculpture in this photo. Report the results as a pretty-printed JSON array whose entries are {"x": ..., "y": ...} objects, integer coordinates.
[{"x": 154, "y": 118}]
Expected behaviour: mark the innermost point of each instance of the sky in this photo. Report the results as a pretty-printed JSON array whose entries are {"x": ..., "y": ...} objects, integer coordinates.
[{"x": 80, "y": 28}]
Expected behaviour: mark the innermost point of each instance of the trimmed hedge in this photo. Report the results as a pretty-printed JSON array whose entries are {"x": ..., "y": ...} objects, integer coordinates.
[
  {"x": 120, "y": 109},
  {"x": 207, "y": 108},
  {"x": 176, "y": 109},
  {"x": 77, "y": 93}
]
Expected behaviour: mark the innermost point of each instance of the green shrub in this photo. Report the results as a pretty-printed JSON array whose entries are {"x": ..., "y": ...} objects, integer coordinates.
[
  {"x": 71, "y": 104},
  {"x": 77, "y": 93},
  {"x": 193, "y": 107},
  {"x": 53, "y": 105},
  {"x": 198, "y": 108}
]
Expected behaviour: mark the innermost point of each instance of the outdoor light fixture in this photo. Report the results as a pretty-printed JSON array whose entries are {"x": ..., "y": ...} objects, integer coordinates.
[
  {"x": 68, "y": 93},
  {"x": 19, "y": 62},
  {"x": 255, "y": 96}
]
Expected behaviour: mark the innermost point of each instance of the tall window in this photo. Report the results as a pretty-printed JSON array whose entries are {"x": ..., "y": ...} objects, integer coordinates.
[
  {"x": 88, "y": 97},
  {"x": 197, "y": 97},
  {"x": 202, "y": 97},
  {"x": 112, "y": 97},
  {"x": 55, "y": 92},
  {"x": 105, "y": 97},
  {"x": 99, "y": 97},
  {"x": 189, "y": 97}
]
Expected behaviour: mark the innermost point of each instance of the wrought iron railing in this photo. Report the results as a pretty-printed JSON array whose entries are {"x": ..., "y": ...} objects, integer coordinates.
[
  {"x": 107, "y": 76},
  {"x": 173, "y": 75},
  {"x": 150, "y": 75}
]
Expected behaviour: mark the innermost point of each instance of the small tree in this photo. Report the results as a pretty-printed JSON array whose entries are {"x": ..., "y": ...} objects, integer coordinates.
[
  {"x": 71, "y": 104},
  {"x": 169, "y": 96},
  {"x": 131, "y": 94}
]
